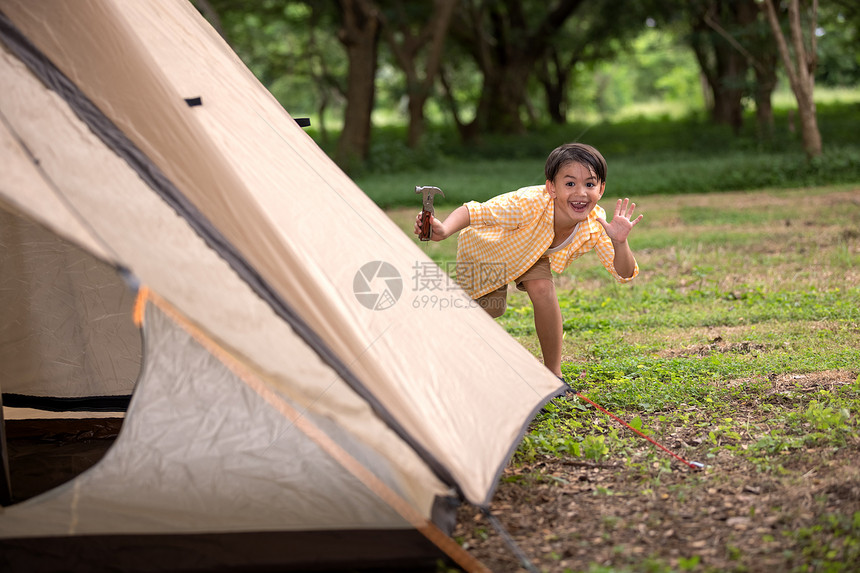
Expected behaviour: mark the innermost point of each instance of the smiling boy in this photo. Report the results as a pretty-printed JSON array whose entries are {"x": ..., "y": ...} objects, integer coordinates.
[{"x": 524, "y": 235}]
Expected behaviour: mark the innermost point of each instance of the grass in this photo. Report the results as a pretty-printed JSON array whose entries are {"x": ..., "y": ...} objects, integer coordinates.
[{"x": 742, "y": 334}]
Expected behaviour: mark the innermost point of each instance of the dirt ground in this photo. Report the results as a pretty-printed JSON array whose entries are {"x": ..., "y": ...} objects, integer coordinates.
[{"x": 569, "y": 514}]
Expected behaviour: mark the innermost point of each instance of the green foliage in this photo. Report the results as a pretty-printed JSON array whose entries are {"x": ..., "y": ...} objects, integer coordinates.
[
  {"x": 838, "y": 61},
  {"x": 610, "y": 64},
  {"x": 658, "y": 67},
  {"x": 832, "y": 544},
  {"x": 646, "y": 156},
  {"x": 288, "y": 47},
  {"x": 594, "y": 447},
  {"x": 826, "y": 417}
]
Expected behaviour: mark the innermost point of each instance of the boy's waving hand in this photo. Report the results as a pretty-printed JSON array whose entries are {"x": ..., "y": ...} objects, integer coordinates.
[{"x": 621, "y": 225}]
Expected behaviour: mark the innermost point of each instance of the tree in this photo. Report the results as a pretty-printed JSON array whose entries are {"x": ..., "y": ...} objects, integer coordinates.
[
  {"x": 506, "y": 40},
  {"x": 800, "y": 62},
  {"x": 752, "y": 39},
  {"x": 597, "y": 33},
  {"x": 359, "y": 33},
  {"x": 407, "y": 43},
  {"x": 838, "y": 59},
  {"x": 764, "y": 62},
  {"x": 289, "y": 46},
  {"x": 722, "y": 65},
  {"x": 323, "y": 65}
]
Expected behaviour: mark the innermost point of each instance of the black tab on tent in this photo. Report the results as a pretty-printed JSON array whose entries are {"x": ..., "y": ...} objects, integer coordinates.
[
  {"x": 303, "y": 121},
  {"x": 194, "y": 101}
]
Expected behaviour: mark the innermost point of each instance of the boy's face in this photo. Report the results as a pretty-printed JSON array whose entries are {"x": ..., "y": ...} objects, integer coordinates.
[{"x": 575, "y": 192}]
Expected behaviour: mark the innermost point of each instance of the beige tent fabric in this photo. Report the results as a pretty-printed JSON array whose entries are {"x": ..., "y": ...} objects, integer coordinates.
[
  {"x": 66, "y": 327},
  {"x": 451, "y": 377},
  {"x": 19, "y": 171},
  {"x": 147, "y": 236}
]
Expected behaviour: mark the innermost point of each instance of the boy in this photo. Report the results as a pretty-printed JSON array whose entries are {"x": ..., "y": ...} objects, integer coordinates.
[{"x": 524, "y": 235}]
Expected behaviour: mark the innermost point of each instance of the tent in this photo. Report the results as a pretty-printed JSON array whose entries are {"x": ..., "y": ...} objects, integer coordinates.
[{"x": 170, "y": 234}]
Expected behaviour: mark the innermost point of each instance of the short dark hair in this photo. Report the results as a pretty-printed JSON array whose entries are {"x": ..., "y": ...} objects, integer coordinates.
[{"x": 575, "y": 153}]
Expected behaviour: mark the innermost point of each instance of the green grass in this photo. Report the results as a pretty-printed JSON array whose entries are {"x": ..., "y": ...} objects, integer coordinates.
[
  {"x": 741, "y": 335},
  {"x": 646, "y": 156}
]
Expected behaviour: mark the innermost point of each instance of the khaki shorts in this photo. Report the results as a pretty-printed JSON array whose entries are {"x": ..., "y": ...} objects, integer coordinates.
[{"x": 496, "y": 302}]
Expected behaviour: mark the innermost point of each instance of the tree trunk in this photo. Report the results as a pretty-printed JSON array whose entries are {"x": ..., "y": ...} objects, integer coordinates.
[
  {"x": 553, "y": 75},
  {"x": 765, "y": 84},
  {"x": 722, "y": 65},
  {"x": 468, "y": 131},
  {"x": 360, "y": 36},
  {"x": 729, "y": 91},
  {"x": 504, "y": 99},
  {"x": 753, "y": 40},
  {"x": 800, "y": 70},
  {"x": 764, "y": 60},
  {"x": 417, "y": 124},
  {"x": 405, "y": 45}
]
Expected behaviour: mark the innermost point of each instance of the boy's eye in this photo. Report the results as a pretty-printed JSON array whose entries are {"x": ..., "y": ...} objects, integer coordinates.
[
  {"x": 570, "y": 183},
  {"x": 589, "y": 184}
]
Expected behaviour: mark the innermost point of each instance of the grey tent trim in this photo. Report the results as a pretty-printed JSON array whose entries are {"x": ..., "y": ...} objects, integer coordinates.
[
  {"x": 560, "y": 392},
  {"x": 116, "y": 140}
]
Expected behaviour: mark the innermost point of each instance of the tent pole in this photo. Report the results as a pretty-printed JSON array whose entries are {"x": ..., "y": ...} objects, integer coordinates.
[{"x": 5, "y": 482}]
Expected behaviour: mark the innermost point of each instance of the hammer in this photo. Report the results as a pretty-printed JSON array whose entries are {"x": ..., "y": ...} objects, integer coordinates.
[{"x": 427, "y": 199}]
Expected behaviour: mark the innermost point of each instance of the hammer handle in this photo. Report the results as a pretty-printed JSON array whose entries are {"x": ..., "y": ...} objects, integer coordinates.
[{"x": 425, "y": 226}]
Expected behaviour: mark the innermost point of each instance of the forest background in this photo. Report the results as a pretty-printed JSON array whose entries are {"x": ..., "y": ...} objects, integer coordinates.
[{"x": 731, "y": 93}]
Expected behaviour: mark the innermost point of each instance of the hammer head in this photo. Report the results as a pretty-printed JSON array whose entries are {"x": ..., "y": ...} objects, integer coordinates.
[{"x": 428, "y": 193}]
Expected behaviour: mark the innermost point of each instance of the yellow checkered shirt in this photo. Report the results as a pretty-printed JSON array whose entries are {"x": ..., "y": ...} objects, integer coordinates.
[{"x": 509, "y": 233}]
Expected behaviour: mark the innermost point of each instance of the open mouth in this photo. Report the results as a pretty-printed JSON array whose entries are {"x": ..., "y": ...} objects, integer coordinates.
[{"x": 578, "y": 206}]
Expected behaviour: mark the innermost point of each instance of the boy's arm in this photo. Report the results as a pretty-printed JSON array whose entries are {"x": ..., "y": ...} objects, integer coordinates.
[
  {"x": 618, "y": 230},
  {"x": 624, "y": 261},
  {"x": 509, "y": 211},
  {"x": 441, "y": 230}
]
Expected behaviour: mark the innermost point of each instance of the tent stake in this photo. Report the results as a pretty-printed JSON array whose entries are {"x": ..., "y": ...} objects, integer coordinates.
[{"x": 494, "y": 521}]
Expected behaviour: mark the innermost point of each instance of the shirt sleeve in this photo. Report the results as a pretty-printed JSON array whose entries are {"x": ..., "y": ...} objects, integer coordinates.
[{"x": 509, "y": 211}]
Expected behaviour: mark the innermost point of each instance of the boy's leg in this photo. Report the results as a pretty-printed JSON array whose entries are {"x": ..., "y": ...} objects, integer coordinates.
[{"x": 548, "y": 322}]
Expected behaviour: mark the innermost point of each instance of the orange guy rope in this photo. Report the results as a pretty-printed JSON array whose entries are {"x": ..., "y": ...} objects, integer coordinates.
[{"x": 694, "y": 465}]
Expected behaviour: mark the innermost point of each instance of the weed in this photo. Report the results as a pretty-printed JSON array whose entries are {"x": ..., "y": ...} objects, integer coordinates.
[
  {"x": 594, "y": 447},
  {"x": 831, "y": 544}
]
